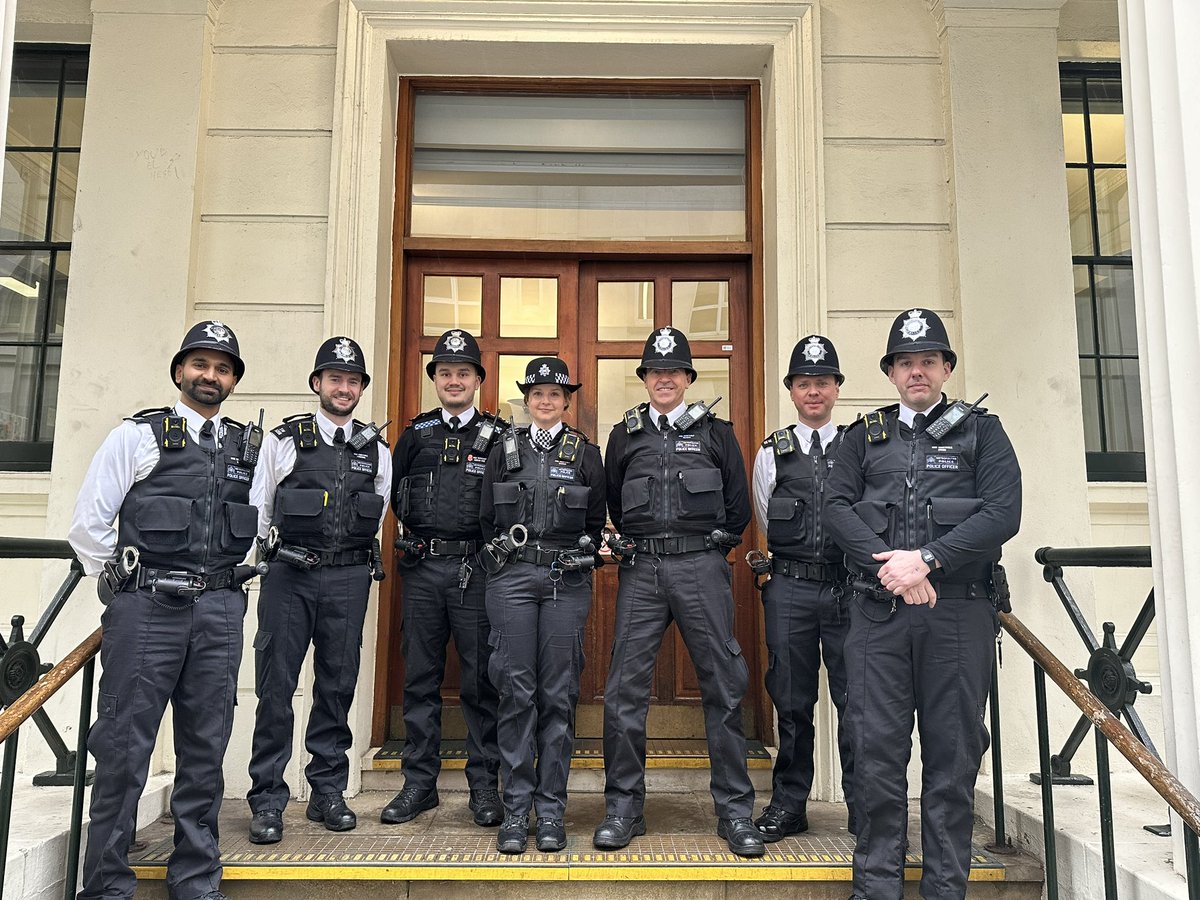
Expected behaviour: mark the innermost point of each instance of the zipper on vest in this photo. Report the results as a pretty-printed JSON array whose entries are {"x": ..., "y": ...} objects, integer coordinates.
[
  {"x": 339, "y": 495},
  {"x": 818, "y": 498},
  {"x": 541, "y": 501},
  {"x": 910, "y": 498},
  {"x": 212, "y": 496},
  {"x": 664, "y": 468}
]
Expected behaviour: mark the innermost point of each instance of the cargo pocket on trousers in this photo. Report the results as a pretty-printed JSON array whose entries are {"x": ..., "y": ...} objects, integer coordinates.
[
  {"x": 497, "y": 666},
  {"x": 734, "y": 687},
  {"x": 262, "y": 660},
  {"x": 106, "y": 706}
]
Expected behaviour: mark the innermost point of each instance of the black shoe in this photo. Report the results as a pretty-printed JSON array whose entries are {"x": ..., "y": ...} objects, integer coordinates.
[
  {"x": 408, "y": 804},
  {"x": 266, "y": 827},
  {"x": 332, "y": 810},
  {"x": 551, "y": 836},
  {"x": 776, "y": 822},
  {"x": 487, "y": 808},
  {"x": 743, "y": 838},
  {"x": 212, "y": 895},
  {"x": 513, "y": 834},
  {"x": 616, "y": 832}
]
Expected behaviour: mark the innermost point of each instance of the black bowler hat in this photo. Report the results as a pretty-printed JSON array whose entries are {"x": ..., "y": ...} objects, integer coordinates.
[
  {"x": 917, "y": 331},
  {"x": 813, "y": 355},
  {"x": 667, "y": 348},
  {"x": 209, "y": 335},
  {"x": 456, "y": 346},
  {"x": 547, "y": 370},
  {"x": 340, "y": 353}
]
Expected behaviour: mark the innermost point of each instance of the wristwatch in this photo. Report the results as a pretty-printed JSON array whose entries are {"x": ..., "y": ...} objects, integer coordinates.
[{"x": 928, "y": 558}]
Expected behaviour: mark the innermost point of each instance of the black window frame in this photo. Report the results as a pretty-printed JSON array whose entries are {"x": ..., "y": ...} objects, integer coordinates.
[
  {"x": 36, "y": 455},
  {"x": 1105, "y": 464}
]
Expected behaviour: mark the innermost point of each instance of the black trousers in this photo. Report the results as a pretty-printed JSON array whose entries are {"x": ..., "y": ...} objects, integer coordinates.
[
  {"x": 151, "y": 655},
  {"x": 435, "y": 608},
  {"x": 537, "y": 659},
  {"x": 804, "y": 621},
  {"x": 324, "y": 607},
  {"x": 693, "y": 590},
  {"x": 936, "y": 663}
]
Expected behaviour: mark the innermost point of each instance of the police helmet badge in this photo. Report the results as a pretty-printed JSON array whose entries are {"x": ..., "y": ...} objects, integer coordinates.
[
  {"x": 665, "y": 342},
  {"x": 217, "y": 331},
  {"x": 455, "y": 342},
  {"x": 915, "y": 327},
  {"x": 544, "y": 370},
  {"x": 343, "y": 350},
  {"x": 814, "y": 350}
]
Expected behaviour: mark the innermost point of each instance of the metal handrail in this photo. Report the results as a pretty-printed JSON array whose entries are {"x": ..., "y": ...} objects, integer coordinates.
[{"x": 48, "y": 685}]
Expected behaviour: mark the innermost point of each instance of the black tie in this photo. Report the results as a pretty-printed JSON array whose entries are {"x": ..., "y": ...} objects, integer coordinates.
[
  {"x": 338, "y": 437},
  {"x": 663, "y": 422},
  {"x": 542, "y": 439},
  {"x": 814, "y": 447},
  {"x": 453, "y": 423},
  {"x": 918, "y": 423},
  {"x": 206, "y": 435}
]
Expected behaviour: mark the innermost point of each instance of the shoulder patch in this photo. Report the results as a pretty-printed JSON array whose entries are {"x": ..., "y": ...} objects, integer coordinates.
[{"x": 282, "y": 432}]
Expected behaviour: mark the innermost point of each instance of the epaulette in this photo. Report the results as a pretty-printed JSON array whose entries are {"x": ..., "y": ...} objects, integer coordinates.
[
  {"x": 426, "y": 419},
  {"x": 233, "y": 423},
  {"x": 298, "y": 417},
  {"x": 583, "y": 437},
  {"x": 150, "y": 413},
  {"x": 282, "y": 432}
]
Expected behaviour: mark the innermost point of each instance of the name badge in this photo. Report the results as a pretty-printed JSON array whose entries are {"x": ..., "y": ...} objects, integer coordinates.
[
  {"x": 361, "y": 464},
  {"x": 940, "y": 463},
  {"x": 234, "y": 472},
  {"x": 562, "y": 473},
  {"x": 475, "y": 464},
  {"x": 687, "y": 446}
]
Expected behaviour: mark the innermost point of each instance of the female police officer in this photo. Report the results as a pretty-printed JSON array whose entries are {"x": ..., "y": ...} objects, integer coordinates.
[{"x": 548, "y": 480}]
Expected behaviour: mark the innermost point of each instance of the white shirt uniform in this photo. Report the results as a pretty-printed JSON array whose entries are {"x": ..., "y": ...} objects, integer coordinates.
[
  {"x": 127, "y": 456},
  {"x": 278, "y": 459},
  {"x": 764, "y": 466}
]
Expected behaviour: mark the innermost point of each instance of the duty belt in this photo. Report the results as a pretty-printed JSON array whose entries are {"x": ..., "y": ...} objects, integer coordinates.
[
  {"x": 438, "y": 547},
  {"x": 945, "y": 590},
  {"x": 672, "y": 546},
  {"x": 292, "y": 554},
  {"x": 539, "y": 556},
  {"x": 794, "y": 568},
  {"x": 179, "y": 583}
]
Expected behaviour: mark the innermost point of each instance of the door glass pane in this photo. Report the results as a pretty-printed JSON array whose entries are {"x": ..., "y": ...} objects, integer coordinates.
[
  {"x": 512, "y": 370},
  {"x": 18, "y": 384},
  {"x": 1112, "y": 212},
  {"x": 712, "y": 381},
  {"x": 579, "y": 167},
  {"x": 453, "y": 301},
  {"x": 625, "y": 310},
  {"x": 1079, "y": 202},
  {"x": 700, "y": 309},
  {"x": 24, "y": 283},
  {"x": 1122, "y": 405},
  {"x": 528, "y": 307},
  {"x": 26, "y": 196},
  {"x": 1106, "y": 119},
  {"x": 429, "y": 398},
  {"x": 1115, "y": 310},
  {"x": 33, "y": 101}
]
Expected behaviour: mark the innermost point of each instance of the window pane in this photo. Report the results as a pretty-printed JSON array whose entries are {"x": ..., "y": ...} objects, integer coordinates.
[
  {"x": 50, "y": 393},
  {"x": 1091, "y": 406},
  {"x": 453, "y": 301},
  {"x": 1074, "y": 145},
  {"x": 1115, "y": 310},
  {"x": 512, "y": 370},
  {"x": 617, "y": 389},
  {"x": 528, "y": 307},
  {"x": 700, "y": 309},
  {"x": 24, "y": 285},
  {"x": 1122, "y": 405},
  {"x": 64, "y": 196},
  {"x": 558, "y": 167},
  {"x": 33, "y": 100},
  {"x": 429, "y": 399},
  {"x": 625, "y": 310},
  {"x": 58, "y": 294},
  {"x": 1106, "y": 119},
  {"x": 1112, "y": 212},
  {"x": 1079, "y": 202},
  {"x": 70, "y": 129},
  {"x": 26, "y": 196},
  {"x": 18, "y": 383},
  {"x": 1083, "y": 311}
]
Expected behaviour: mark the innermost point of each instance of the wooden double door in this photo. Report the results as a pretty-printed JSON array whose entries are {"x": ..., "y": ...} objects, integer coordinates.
[{"x": 596, "y": 316}]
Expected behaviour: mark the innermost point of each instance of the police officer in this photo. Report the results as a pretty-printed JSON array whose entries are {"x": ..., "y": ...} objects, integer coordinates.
[
  {"x": 177, "y": 482},
  {"x": 677, "y": 488},
  {"x": 802, "y": 601},
  {"x": 547, "y": 479},
  {"x": 437, "y": 475},
  {"x": 921, "y": 498},
  {"x": 323, "y": 484}
]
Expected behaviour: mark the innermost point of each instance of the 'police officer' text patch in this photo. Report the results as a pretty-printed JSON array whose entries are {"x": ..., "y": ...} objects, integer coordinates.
[
  {"x": 562, "y": 473},
  {"x": 941, "y": 463},
  {"x": 234, "y": 472},
  {"x": 687, "y": 446}
]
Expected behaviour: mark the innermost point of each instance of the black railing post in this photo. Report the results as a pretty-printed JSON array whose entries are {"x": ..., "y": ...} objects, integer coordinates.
[
  {"x": 7, "y": 783},
  {"x": 1002, "y": 844},
  {"x": 75, "y": 838},
  {"x": 1104, "y": 787},
  {"x": 1043, "y": 727},
  {"x": 1191, "y": 856}
]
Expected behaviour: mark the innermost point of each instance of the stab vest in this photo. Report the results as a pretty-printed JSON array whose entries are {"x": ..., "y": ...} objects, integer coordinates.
[
  {"x": 916, "y": 491},
  {"x": 673, "y": 483},
  {"x": 439, "y": 497},
  {"x": 545, "y": 494},
  {"x": 794, "y": 525},
  {"x": 192, "y": 512},
  {"x": 328, "y": 502}
]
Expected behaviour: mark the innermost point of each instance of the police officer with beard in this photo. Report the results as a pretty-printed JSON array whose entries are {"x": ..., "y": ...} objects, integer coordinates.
[
  {"x": 177, "y": 482},
  {"x": 802, "y": 601},
  {"x": 677, "y": 488},
  {"x": 547, "y": 479},
  {"x": 921, "y": 498},
  {"x": 438, "y": 468},
  {"x": 323, "y": 484}
]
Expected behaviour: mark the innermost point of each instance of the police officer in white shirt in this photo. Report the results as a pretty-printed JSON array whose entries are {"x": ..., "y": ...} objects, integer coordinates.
[{"x": 176, "y": 480}]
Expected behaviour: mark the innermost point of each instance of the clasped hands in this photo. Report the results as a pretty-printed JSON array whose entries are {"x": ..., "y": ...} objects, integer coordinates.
[{"x": 906, "y": 575}]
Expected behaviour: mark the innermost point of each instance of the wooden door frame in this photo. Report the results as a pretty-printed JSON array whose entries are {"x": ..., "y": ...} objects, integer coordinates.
[{"x": 401, "y": 365}]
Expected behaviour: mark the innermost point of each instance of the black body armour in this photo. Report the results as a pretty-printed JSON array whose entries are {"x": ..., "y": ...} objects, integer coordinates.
[
  {"x": 439, "y": 497},
  {"x": 192, "y": 512},
  {"x": 794, "y": 526},
  {"x": 917, "y": 491},
  {"x": 673, "y": 483},
  {"x": 328, "y": 502},
  {"x": 545, "y": 494}
]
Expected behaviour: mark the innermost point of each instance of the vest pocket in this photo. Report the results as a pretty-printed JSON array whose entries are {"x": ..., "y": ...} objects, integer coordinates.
[
  {"x": 162, "y": 523},
  {"x": 241, "y": 525},
  {"x": 368, "y": 507},
  {"x": 942, "y": 514},
  {"x": 416, "y": 500},
  {"x": 568, "y": 510},
  {"x": 787, "y": 521},
  {"x": 638, "y": 502},
  {"x": 876, "y": 514},
  {"x": 701, "y": 496},
  {"x": 300, "y": 514},
  {"x": 510, "y": 501}
]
